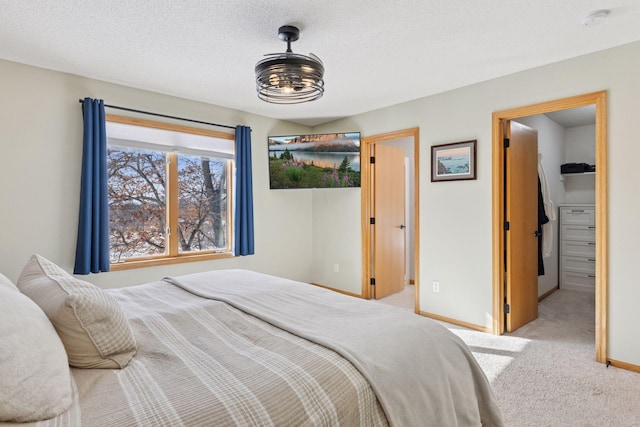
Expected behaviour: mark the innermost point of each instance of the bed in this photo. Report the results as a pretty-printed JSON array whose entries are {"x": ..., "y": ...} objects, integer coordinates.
[{"x": 236, "y": 347}]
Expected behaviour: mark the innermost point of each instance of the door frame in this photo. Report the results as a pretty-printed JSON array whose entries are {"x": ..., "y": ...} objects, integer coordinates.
[
  {"x": 366, "y": 206},
  {"x": 598, "y": 99}
]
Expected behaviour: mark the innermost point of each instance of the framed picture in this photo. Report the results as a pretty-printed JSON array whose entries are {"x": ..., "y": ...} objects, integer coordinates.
[{"x": 453, "y": 162}]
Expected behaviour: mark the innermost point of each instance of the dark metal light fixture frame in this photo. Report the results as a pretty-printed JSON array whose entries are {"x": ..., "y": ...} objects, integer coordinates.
[{"x": 289, "y": 78}]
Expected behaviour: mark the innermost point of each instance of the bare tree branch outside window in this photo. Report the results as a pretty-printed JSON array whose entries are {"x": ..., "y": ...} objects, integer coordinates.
[{"x": 137, "y": 186}]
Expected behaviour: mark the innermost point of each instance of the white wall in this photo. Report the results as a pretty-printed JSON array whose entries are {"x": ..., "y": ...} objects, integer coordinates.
[
  {"x": 455, "y": 217},
  {"x": 334, "y": 237},
  {"x": 41, "y": 137},
  {"x": 580, "y": 147},
  {"x": 551, "y": 142}
]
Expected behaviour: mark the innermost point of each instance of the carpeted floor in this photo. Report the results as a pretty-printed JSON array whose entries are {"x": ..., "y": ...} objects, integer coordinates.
[{"x": 545, "y": 374}]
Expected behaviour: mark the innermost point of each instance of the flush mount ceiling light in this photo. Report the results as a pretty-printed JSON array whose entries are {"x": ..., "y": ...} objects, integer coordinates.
[
  {"x": 289, "y": 78},
  {"x": 594, "y": 18}
]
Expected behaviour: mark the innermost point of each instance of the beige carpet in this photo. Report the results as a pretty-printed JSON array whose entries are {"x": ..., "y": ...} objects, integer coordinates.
[{"x": 545, "y": 374}]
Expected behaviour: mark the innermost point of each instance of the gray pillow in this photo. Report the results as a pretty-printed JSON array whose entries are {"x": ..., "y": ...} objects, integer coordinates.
[{"x": 93, "y": 328}]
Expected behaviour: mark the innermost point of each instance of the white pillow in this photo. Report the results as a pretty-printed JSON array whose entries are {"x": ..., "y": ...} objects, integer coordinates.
[
  {"x": 35, "y": 382},
  {"x": 93, "y": 328}
]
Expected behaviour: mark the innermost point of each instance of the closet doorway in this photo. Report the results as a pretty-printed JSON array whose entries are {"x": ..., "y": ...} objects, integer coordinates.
[
  {"x": 501, "y": 182},
  {"x": 375, "y": 259}
]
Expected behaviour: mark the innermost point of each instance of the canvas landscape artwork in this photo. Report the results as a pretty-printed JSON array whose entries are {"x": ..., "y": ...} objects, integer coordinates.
[{"x": 329, "y": 160}]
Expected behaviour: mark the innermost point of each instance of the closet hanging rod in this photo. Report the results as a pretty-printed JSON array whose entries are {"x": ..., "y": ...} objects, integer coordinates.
[{"x": 163, "y": 115}]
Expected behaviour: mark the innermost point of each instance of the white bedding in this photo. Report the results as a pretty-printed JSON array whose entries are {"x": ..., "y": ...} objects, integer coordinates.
[
  {"x": 204, "y": 363},
  {"x": 421, "y": 372},
  {"x": 235, "y": 347}
]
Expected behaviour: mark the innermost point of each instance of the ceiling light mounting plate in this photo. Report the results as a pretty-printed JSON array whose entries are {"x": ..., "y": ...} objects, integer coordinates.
[{"x": 288, "y": 33}]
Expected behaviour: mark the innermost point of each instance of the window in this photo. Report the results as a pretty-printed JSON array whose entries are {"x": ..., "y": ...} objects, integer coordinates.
[{"x": 169, "y": 193}]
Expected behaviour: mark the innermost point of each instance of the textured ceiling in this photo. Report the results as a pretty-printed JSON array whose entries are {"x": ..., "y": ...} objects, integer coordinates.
[{"x": 376, "y": 52}]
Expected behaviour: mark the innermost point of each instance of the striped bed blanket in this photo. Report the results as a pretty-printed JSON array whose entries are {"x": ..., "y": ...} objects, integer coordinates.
[
  {"x": 207, "y": 357},
  {"x": 422, "y": 374}
]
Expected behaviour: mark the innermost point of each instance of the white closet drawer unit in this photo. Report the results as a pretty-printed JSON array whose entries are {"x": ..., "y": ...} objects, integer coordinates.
[
  {"x": 578, "y": 215},
  {"x": 577, "y": 246},
  {"x": 584, "y": 233},
  {"x": 579, "y": 264},
  {"x": 578, "y": 281}
]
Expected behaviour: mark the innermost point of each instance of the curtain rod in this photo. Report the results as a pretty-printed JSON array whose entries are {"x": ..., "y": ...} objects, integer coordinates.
[{"x": 163, "y": 115}]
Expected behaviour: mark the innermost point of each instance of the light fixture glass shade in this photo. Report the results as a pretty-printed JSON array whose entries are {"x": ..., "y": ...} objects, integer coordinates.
[{"x": 289, "y": 78}]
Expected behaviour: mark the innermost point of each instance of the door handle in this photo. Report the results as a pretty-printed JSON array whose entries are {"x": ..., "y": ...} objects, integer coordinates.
[
  {"x": 402, "y": 227},
  {"x": 537, "y": 233}
]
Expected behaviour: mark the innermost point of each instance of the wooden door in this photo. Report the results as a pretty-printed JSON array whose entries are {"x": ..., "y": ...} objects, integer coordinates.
[
  {"x": 521, "y": 204},
  {"x": 389, "y": 229}
]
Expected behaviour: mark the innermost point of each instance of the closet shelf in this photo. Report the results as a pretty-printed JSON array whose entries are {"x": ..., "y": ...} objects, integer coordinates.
[{"x": 563, "y": 176}]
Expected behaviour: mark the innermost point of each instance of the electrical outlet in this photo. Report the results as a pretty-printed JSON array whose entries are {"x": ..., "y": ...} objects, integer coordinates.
[
  {"x": 436, "y": 286},
  {"x": 336, "y": 268}
]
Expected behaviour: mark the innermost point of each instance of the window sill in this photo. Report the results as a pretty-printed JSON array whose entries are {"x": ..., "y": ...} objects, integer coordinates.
[{"x": 168, "y": 260}]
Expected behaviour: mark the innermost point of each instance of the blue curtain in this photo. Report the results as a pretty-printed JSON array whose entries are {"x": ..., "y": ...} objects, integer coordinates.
[
  {"x": 92, "y": 248},
  {"x": 243, "y": 224}
]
